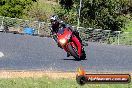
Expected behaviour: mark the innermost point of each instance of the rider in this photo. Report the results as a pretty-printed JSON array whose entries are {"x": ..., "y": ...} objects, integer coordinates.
[{"x": 57, "y": 25}]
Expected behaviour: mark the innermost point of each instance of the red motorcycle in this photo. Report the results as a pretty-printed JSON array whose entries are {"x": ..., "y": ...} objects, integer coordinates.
[{"x": 70, "y": 43}]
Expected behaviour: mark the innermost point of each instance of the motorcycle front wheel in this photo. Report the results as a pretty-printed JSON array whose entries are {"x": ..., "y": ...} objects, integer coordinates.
[{"x": 73, "y": 52}]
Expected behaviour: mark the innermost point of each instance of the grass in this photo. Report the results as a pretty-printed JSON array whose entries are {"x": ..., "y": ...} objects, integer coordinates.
[
  {"x": 45, "y": 82},
  {"x": 126, "y": 38},
  {"x": 128, "y": 27}
]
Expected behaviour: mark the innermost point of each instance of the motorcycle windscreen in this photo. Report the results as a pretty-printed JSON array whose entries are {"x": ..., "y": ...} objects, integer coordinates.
[
  {"x": 61, "y": 31},
  {"x": 63, "y": 34}
]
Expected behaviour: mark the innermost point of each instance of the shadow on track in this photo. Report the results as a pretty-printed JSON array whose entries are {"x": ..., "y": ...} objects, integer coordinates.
[{"x": 71, "y": 59}]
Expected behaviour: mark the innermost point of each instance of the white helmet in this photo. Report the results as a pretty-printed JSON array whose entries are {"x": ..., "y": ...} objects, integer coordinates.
[{"x": 54, "y": 17}]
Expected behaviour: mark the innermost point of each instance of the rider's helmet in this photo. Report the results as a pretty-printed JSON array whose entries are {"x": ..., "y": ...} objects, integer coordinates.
[
  {"x": 53, "y": 19},
  {"x": 54, "y": 22}
]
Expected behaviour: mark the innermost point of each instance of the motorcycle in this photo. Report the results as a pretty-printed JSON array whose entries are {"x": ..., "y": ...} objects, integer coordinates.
[{"x": 70, "y": 43}]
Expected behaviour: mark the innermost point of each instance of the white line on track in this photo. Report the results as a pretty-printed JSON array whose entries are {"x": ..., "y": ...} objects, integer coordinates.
[{"x": 1, "y": 54}]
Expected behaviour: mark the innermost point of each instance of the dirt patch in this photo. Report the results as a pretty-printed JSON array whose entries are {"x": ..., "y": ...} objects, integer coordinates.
[{"x": 37, "y": 74}]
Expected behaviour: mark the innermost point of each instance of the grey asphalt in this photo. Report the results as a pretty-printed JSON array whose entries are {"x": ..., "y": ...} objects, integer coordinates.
[{"x": 25, "y": 52}]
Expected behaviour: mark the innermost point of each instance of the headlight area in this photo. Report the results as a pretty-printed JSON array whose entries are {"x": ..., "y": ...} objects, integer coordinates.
[{"x": 62, "y": 41}]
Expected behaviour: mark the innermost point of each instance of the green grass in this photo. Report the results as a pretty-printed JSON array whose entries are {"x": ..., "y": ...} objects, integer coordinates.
[
  {"x": 46, "y": 82},
  {"x": 129, "y": 27},
  {"x": 126, "y": 39}
]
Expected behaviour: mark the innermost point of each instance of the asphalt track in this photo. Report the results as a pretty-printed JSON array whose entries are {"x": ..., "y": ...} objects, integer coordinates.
[{"x": 25, "y": 52}]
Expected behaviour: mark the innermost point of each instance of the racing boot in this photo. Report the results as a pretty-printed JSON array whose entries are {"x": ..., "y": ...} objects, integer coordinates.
[
  {"x": 59, "y": 45},
  {"x": 68, "y": 55}
]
